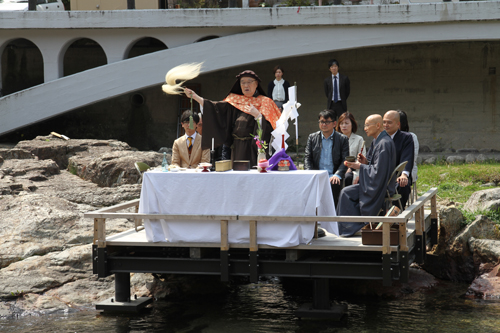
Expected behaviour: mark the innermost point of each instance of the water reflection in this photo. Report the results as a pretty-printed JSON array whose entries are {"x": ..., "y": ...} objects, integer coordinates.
[{"x": 269, "y": 307}]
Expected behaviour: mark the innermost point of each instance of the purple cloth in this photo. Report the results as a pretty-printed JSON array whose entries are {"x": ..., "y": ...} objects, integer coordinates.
[{"x": 281, "y": 155}]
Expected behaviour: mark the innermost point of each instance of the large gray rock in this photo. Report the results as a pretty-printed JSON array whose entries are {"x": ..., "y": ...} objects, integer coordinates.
[
  {"x": 482, "y": 227},
  {"x": 484, "y": 200},
  {"x": 14, "y": 153},
  {"x": 59, "y": 150},
  {"x": 453, "y": 258},
  {"x": 36, "y": 224},
  {"x": 485, "y": 250},
  {"x": 112, "y": 168},
  {"x": 45, "y": 242},
  {"x": 451, "y": 222}
]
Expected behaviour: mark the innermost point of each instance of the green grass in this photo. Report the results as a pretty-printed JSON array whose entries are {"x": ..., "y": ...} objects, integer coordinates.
[{"x": 457, "y": 182}]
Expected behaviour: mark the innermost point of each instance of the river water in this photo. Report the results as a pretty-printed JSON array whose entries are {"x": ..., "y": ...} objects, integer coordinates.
[{"x": 269, "y": 307}]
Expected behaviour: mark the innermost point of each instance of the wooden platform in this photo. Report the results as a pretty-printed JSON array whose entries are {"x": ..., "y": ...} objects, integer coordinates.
[{"x": 329, "y": 257}]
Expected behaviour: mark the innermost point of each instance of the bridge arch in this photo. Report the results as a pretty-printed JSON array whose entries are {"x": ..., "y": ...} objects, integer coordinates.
[
  {"x": 82, "y": 54},
  {"x": 142, "y": 46},
  {"x": 21, "y": 65}
]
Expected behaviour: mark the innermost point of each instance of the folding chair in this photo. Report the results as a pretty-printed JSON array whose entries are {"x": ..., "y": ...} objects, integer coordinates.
[
  {"x": 396, "y": 196},
  {"x": 141, "y": 167}
]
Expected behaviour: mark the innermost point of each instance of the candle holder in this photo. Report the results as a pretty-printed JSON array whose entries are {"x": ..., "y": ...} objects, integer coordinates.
[
  {"x": 206, "y": 167},
  {"x": 212, "y": 160}
]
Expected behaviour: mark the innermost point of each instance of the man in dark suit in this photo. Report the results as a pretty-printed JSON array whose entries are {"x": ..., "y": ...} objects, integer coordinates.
[
  {"x": 337, "y": 89},
  {"x": 404, "y": 152},
  {"x": 326, "y": 150}
]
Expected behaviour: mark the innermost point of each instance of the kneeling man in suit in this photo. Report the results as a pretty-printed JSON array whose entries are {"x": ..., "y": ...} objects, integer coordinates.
[{"x": 186, "y": 152}]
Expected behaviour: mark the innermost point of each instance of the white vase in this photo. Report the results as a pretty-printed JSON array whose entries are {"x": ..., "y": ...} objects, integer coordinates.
[{"x": 260, "y": 156}]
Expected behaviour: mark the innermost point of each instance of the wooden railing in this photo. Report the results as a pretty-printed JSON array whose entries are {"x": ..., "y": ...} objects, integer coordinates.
[{"x": 417, "y": 209}]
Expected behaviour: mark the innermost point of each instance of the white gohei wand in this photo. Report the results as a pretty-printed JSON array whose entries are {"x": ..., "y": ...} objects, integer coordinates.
[{"x": 289, "y": 111}]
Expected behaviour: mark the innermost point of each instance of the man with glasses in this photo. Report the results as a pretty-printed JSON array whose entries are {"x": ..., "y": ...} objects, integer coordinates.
[
  {"x": 367, "y": 197},
  {"x": 187, "y": 152},
  {"x": 327, "y": 150}
]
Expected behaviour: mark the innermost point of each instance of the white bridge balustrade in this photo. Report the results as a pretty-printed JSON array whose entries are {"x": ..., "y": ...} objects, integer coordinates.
[{"x": 246, "y": 36}]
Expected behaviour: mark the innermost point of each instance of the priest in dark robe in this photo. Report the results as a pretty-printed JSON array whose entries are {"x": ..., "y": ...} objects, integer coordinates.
[
  {"x": 367, "y": 197},
  {"x": 231, "y": 121}
]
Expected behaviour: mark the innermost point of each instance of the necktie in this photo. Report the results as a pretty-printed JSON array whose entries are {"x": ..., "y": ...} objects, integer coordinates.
[
  {"x": 190, "y": 147},
  {"x": 335, "y": 94}
]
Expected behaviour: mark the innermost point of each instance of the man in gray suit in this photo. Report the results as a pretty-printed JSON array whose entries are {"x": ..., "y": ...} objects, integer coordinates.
[
  {"x": 326, "y": 150},
  {"x": 337, "y": 89}
]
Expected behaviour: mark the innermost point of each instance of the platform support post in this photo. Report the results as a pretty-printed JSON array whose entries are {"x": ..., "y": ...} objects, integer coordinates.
[
  {"x": 386, "y": 255},
  {"x": 253, "y": 255},
  {"x": 122, "y": 287},
  {"x": 404, "y": 261},
  {"x": 224, "y": 251},
  {"x": 321, "y": 296},
  {"x": 122, "y": 302},
  {"x": 419, "y": 236},
  {"x": 321, "y": 306}
]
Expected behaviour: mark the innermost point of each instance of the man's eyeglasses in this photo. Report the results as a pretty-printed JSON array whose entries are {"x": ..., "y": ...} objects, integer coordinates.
[
  {"x": 325, "y": 122},
  {"x": 246, "y": 83}
]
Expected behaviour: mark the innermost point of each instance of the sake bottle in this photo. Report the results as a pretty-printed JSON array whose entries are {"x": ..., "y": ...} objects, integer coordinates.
[{"x": 164, "y": 164}]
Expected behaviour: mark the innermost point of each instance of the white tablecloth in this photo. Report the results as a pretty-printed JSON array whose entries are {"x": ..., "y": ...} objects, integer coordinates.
[{"x": 292, "y": 193}]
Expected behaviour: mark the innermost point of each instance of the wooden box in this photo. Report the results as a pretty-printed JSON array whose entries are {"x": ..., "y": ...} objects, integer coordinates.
[
  {"x": 374, "y": 236},
  {"x": 223, "y": 165},
  {"x": 241, "y": 165}
]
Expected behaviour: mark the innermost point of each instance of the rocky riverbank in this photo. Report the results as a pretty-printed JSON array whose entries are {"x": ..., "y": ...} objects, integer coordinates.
[{"x": 46, "y": 185}]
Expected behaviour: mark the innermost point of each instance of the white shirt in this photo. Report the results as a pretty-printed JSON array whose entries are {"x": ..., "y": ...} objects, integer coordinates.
[
  {"x": 279, "y": 91},
  {"x": 338, "y": 86}
]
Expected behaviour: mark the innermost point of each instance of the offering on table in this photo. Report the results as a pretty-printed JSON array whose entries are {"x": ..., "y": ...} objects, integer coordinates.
[{"x": 284, "y": 165}]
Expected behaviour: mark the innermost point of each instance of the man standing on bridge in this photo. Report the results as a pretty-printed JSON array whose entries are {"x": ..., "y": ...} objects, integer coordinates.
[{"x": 337, "y": 89}]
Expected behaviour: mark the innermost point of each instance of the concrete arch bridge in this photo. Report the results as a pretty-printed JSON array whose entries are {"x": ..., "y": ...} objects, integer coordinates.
[{"x": 262, "y": 35}]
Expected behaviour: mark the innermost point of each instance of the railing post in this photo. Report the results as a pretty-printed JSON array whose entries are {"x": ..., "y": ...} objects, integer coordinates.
[
  {"x": 434, "y": 221},
  {"x": 254, "y": 248},
  {"x": 386, "y": 254}
]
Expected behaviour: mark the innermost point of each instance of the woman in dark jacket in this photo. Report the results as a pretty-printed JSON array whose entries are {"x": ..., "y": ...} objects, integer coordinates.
[{"x": 277, "y": 89}]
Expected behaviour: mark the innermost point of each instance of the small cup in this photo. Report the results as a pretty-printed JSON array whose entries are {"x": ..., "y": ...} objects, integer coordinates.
[{"x": 350, "y": 158}]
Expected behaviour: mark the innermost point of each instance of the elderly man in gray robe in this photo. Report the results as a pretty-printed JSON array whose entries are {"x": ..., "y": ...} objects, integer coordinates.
[{"x": 367, "y": 197}]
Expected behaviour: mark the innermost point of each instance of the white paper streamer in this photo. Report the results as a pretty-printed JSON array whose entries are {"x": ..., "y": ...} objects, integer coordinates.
[{"x": 289, "y": 112}]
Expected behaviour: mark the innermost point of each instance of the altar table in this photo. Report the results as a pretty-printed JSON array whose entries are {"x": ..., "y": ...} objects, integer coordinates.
[{"x": 276, "y": 193}]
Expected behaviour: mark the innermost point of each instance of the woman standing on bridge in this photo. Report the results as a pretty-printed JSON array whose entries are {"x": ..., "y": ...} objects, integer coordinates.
[
  {"x": 232, "y": 120},
  {"x": 278, "y": 88}
]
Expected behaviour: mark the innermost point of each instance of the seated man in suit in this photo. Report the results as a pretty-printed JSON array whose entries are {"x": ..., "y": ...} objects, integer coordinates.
[
  {"x": 405, "y": 151},
  {"x": 367, "y": 196},
  {"x": 186, "y": 152},
  {"x": 327, "y": 150}
]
